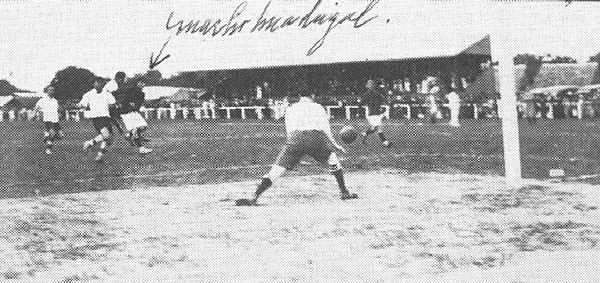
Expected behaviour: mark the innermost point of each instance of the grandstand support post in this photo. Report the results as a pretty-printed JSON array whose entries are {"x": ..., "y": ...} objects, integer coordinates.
[
  {"x": 502, "y": 53},
  {"x": 259, "y": 112}
]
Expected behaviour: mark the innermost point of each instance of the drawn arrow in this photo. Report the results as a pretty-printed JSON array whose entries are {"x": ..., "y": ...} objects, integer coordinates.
[{"x": 155, "y": 61}]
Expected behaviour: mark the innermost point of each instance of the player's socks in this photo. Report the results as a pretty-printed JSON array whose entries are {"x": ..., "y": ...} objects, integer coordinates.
[
  {"x": 262, "y": 187},
  {"x": 103, "y": 146},
  {"x": 117, "y": 125},
  {"x": 339, "y": 177},
  {"x": 48, "y": 147},
  {"x": 384, "y": 141},
  {"x": 137, "y": 142}
]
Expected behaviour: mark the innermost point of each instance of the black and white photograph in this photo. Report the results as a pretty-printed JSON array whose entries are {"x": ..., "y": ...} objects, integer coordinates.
[{"x": 299, "y": 141}]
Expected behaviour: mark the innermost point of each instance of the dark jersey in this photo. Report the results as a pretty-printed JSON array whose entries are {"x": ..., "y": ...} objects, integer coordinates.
[
  {"x": 373, "y": 99},
  {"x": 133, "y": 99}
]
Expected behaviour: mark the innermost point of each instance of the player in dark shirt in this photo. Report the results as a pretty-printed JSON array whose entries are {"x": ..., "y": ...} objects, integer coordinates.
[
  {"x": 135, "y": 124},
  {"x": 373, "y": 99}
]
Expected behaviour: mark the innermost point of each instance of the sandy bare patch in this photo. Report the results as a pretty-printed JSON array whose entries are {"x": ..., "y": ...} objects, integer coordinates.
[{"x": 404, "y": 228}]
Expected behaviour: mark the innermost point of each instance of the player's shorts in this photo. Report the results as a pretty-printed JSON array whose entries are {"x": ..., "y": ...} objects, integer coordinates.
[
  {"x": 300, "y": 143},
  {"x": 375, "y": 120},
  {"x": 52, "y": 126},
  {"x": 133, "y": 120},
  {"x": 102, "y": 122}
]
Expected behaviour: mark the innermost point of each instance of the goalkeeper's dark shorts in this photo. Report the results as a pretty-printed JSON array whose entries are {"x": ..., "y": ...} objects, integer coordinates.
[{"x": 300, "y": 143}]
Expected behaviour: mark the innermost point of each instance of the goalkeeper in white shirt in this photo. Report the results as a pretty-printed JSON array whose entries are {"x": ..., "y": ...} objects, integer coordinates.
[{"x": 308, "y": 133}]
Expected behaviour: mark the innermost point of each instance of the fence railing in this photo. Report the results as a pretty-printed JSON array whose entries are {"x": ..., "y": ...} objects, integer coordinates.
[{"x": 396, "y": 111}]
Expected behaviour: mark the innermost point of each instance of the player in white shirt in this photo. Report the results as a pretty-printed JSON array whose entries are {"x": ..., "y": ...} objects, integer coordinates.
[
  {"x": 48, "y": 106},
  {"x": 308, "y": 133},
  {"x": 98, "y": 102},
  {"x": 454, "y": 105},
  {"x": 434, "y": 112}
]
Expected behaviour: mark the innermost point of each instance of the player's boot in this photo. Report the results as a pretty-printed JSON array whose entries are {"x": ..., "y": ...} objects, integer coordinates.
[
  {"x": 87, "y": 145},
  {"x": 145, "y": 150},
  {"x": 245, "y": 202},
  {"x": 364, "y": 137},
  {"x": 346, "y": 196}
]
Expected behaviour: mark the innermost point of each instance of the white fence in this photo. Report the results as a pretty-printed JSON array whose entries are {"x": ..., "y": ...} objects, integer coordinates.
[{"x": 576, "y": 109}]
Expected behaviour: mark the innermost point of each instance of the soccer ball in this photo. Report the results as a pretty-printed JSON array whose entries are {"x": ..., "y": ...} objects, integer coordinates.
[
  {"x": 348, "y": 134},
  {"x": 386, "y": 143}
]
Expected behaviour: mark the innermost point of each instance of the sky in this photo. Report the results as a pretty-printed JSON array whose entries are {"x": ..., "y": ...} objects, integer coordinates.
[{"x": 38, "y": 38}]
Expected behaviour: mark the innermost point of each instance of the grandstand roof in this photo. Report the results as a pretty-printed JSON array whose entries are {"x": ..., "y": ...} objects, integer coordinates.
[
  {"x": 157, "y": 92},
  {"x": 5, "y": 99},
  {"x": 173, "y": 93},
  {"x": 29, "y": 94}
]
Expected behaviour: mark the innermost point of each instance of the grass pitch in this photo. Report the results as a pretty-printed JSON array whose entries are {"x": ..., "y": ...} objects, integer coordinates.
[{"x": 200, "y": 152}]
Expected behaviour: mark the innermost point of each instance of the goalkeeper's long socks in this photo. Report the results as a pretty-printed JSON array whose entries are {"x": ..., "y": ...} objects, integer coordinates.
[{"x": 262, "y": 187}]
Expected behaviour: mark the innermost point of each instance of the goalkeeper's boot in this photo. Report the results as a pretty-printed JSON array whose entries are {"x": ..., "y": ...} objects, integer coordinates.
[{"x": 347, "y": 195}]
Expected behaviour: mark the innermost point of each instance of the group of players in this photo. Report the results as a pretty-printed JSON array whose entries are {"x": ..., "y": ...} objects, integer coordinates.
[
  {"x": 106, "y": 104},
  {"x": 306, "y": 122}
]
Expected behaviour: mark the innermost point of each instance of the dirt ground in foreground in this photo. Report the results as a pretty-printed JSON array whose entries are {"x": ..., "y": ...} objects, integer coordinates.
[{"x": 405, "y": 227}]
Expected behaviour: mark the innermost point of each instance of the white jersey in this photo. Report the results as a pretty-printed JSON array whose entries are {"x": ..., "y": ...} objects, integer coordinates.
[
  {"x": 433, "y": 107},
  {"x": 306, "y": 115},
  {"x": 453, "y": 98},
  {"x": 97, "y": 103},
  {"x": 49, "y": 108}
]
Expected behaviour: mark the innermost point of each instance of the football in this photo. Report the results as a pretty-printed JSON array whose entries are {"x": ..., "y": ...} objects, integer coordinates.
[{"x": 348, "y": 134}]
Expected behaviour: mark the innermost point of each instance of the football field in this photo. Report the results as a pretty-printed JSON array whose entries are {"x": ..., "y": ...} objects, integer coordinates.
[
  {"x": 199, "y": 152},
  {"x": 432, "y": 208}
]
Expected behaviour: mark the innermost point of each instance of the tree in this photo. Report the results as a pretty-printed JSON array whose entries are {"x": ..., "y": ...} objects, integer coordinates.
[
  {"x": 533, "y": 64},
  {"x": 153, "y": 77},
  {"x": 561, "y": 59},
  {"x": 72, "y": 82},
  {"x": 595, "y": 58},
  {"x": 521, "y": 59}
]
